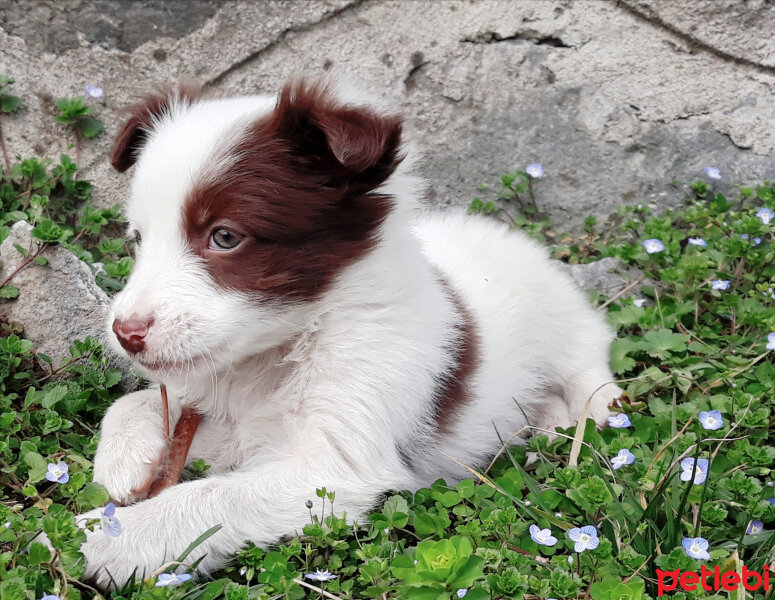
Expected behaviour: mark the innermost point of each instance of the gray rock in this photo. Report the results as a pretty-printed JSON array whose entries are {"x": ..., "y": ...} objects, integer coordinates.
[
  {"x": 486, "y": 86},
  {"x": 607, "y": 275},
  {"x": 54, "y": 26},
  {"x": 57, "y": 303}
]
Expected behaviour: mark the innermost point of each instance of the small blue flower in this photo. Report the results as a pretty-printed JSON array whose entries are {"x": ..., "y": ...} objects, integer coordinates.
[
  {"x": 461, "y": 593},
  {"x": 653, "y": 246},
  {"x": 771, "y": 501},
  {"x": 711, "y": 419},
  {"x": 308, "y": 504},
  {"x": 720, "y": 284},
  {"x": 111, "y": 526},
  {"x": 93, "y": 91},
  {"x": 755, "y": 527},
  {"x": 756, "y": 240},
  {"x": 584, "y": 538},
  {"x": 319, "y": 575},
  {"x": 697, "y": 242},
  {"x": 712, "y": 172},
  {"x": 542, "y": 537},
  {"x": 167, "y": 579},
  {"x": 57, "y": 472},
  {"x": 765, "y": 215},
  {"x": 619, "y": 421},
  {"x": 50, "y": 597},
  {"x": 536, "y": 170},
  {"x": 696, "y": 547},
  {"x": 625, "y": 457},
  {"x": 700, "y": 473},
  {"x": 770, "y": 341}
]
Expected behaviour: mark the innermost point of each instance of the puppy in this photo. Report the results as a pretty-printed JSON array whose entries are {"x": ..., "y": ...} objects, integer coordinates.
[{"x": 286, "y": 288}]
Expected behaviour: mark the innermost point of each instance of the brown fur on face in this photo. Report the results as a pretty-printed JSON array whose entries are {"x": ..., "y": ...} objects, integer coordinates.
[
  {"x": 300, "y": 189},
  {"x": 135, "y": 131}
]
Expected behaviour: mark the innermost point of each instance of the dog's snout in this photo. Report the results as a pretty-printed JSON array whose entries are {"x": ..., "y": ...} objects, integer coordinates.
[{"x": 131, "y": 332}]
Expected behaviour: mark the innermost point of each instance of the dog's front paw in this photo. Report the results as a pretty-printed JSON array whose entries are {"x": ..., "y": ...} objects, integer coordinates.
[
  {"x": 128, "y": 467},
  {"x": 113, "y": 549},
  {"x": 132, "y": 447}
]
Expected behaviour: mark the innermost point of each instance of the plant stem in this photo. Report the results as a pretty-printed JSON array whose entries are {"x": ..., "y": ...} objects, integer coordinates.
[
  {"x": 532, "y": 197},
  {"x": 5, "y": 150},
  {"x": 77, "y": 145},
  {"x": 24, "y": 264}
]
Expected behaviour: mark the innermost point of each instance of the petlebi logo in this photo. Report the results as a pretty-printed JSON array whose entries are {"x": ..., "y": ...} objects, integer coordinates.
[{"x": 713, "y": 580}]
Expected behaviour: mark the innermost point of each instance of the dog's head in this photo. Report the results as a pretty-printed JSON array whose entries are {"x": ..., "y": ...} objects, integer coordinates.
[{"x": 244, "y": 211}]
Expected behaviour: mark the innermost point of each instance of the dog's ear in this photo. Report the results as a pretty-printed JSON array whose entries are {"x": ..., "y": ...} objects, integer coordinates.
[
  {"x": 143, "y": 116},
  {"x": 325, "y": 134}
]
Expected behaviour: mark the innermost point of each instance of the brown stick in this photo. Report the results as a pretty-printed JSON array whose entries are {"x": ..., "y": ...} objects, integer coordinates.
[
  {"x": 177, "y": 447},
  {"x": 165, "y": 411}
]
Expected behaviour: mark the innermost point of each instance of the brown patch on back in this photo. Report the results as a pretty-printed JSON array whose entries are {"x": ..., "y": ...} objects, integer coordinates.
[
  {"x": 134, "y": 132},
  {"x": 453, "y": 391},
  {"x": 301, "y": 191}
]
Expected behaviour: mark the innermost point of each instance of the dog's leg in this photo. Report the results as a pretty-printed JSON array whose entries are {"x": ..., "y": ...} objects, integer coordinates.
[
  {"x": 260, "y": 505},
  {"x": 596, "y": 383},
  {"x": 132, "y": 444}
]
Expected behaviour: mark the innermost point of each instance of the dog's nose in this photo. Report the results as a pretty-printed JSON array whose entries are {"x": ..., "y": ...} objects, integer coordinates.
[{"x": 131, "y": 332}]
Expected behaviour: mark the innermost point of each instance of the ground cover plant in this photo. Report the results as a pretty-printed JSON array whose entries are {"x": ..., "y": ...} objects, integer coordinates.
[{"x": 682, "y": 478}]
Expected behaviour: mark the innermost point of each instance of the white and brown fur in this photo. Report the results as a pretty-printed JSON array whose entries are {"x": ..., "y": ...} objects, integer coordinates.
[{"x": 347, "y": 341}]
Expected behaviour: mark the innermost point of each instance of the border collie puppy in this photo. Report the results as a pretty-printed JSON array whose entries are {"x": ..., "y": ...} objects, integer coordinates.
[{"x": 286, "y": 287}]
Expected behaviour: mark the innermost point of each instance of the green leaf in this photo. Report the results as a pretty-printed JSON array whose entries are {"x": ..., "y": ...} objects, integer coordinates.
[
  {"x": 660, "y": 343},
  {"x": 38, "y": 554},
  {"x": 9, "y": 104},
  {"x": 202, "y": 538},
  {"x": 53, "y": 395},
  {"x": 9, "y": 292},
  {"x": 38, "y": 466},
  {"x": 93, "y": 495},
  {"x": 90, "y": 127},
  {"x": 620, "y": 348}
]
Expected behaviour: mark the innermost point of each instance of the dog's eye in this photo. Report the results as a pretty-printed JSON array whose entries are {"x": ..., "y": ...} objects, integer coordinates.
[{"x": 223, "y": 239}]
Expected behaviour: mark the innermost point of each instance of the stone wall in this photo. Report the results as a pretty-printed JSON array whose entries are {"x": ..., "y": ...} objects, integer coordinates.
[{"x": 615, "y": 98}]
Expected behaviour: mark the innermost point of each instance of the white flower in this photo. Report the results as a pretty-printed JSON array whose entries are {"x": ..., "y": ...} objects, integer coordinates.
[
  {"x": 461, "y": 593},
  {"x": 720, "y": 284},
  {"x": 653, "y": 245},
  {"x": 536, "y": 170},
  {"x": 770, "y": 341},
  {"x": 711, "y": 419},
  {"x": 584, "y": 538},
  {"x": 700, "y": 473},
  {"x": 625, "y": 457},
  {"x": 639, "y": 302},
  {"x": 765, "y": 215},
  {"x": 319, "y": 575},
  {"x": 697, "y": 242},
  {"x": 542, "y": 537},
  {"x": 94, "y": 91},
  {"x": 619, "y": 421},
  {"x": 110, "y": 524},
  {"x": 755, "y": 527},
  {"x": 712, "y": 172},
  {"x": 696, "y": 548},
  {"x": 167, "y": 579}
]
